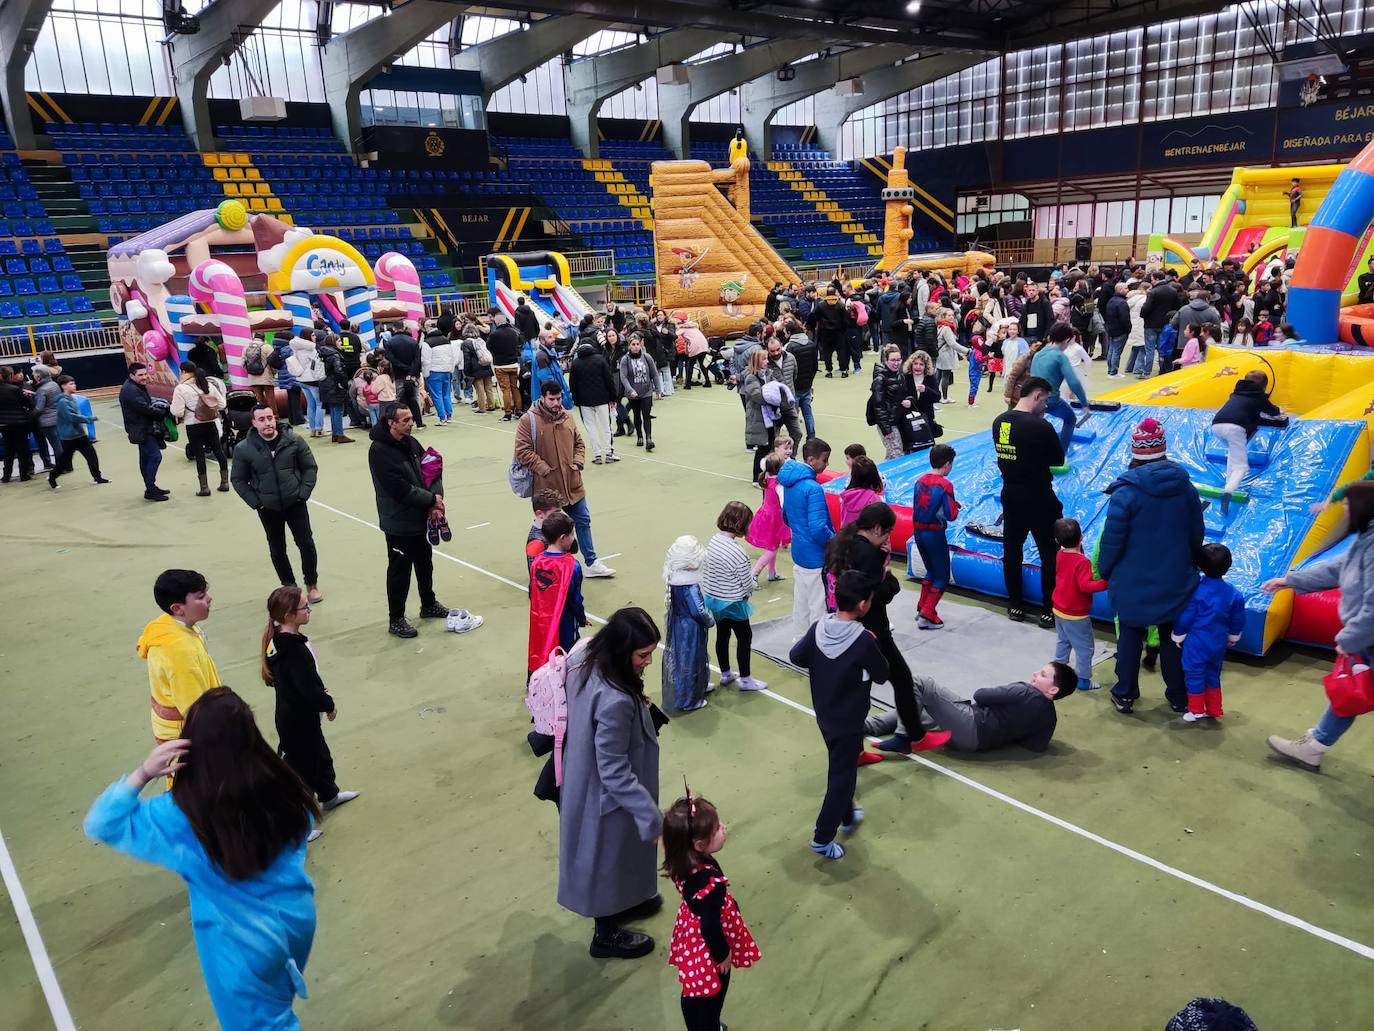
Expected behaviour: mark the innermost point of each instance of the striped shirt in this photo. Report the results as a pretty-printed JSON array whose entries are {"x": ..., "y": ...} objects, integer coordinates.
[{"x": 727, "y": 573}]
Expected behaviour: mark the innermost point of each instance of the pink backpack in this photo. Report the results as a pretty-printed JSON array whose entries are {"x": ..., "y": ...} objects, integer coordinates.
[
  {"x": 431, "y": 466},
  {"x": 547, "y": 700},
  {"x": 860, "y": 313}
]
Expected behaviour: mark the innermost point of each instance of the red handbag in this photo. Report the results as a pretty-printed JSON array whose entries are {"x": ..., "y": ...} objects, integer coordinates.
[{"x": 1350, "y": 687}]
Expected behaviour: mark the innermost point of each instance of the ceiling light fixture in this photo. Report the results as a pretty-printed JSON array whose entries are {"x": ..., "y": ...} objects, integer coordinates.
[{"x": 913, "y": 7}]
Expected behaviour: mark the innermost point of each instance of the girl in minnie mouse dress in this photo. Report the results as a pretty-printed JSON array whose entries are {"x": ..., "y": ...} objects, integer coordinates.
[{"x": 709, "y": 937}]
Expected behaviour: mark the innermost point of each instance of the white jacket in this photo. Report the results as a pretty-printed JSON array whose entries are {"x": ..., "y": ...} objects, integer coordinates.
[
  {"x": 440, "y": 358},
  {"x": 304, "y": 362},
  {"x": 187, "y": 396},
  {"x": 1135, "y": 300}
]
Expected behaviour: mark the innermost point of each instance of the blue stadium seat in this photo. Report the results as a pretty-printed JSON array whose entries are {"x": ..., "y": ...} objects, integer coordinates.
[
  {"x": 62, "y": 263},
  {"x": 35, "y": 309},
  {"x": 82, "y": 304},
  {"x": 25, "y": 286},
  {"x": 59, "y": 306},
  {"x": 9, "y": 310},
  {"x": 71, "y": 283}
]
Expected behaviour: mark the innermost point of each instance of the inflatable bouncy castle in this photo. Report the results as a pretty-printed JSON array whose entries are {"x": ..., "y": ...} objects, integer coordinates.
[
  {"x": 1276, "y": 522},
  {"x": 544, "y": 279},
  {"x": 229, "y": 274}
]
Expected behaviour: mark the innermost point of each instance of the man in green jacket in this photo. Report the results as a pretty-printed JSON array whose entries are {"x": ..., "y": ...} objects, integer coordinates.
[{"x": 274, "y": 473}]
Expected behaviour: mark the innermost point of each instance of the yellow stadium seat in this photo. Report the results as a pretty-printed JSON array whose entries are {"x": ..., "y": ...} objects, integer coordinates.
[
  {"x": 221, "y": 174},
  {"x": 252, "y": 173},
  {"x": 262, "y": 189},
  {"x": 273, "y": 204},
  {"x": 210, "y": 159},
  {"x": 257, "y": 204},
  {"x": 236, "y": 173},
  {"x": 241, "y": 159}
]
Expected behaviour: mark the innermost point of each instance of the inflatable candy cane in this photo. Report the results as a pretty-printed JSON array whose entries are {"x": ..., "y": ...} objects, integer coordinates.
[
  {"x": 214, "y": 283},
  {"x": 302, "y": 314},
  {"x": 395, "y": 272}
]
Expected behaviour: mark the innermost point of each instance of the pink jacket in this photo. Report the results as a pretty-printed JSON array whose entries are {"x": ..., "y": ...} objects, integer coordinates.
[{"x": 852, "y": 502}]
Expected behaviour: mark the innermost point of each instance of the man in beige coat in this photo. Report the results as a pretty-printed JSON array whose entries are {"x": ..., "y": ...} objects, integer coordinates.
[{"x": 548, "y": 443}]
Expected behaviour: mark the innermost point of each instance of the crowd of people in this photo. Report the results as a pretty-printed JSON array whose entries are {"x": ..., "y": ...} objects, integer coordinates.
[{"x": 238, "y": 813}]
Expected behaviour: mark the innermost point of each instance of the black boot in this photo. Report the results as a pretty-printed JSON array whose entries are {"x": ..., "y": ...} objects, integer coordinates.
[
  {"x": 639, "y": 439},
  {"x": 620, "y": 943},
  {"x": 402, "y": 628},
  {"x": 648, "y": 443},
  {"x": 204, "y": 491}
]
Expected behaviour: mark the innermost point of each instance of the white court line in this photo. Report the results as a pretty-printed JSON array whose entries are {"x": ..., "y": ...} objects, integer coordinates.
[
  {"x": 828, "y": 415},
  {"x": 476, "y": 526},
  {"x": 42, "y": 965},
  {"x": 1359, "y": 948},
  {"x": 641, "y": 458}
]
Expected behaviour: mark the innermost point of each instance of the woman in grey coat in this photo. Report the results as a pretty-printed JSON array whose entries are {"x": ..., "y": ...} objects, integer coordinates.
[
  {"x": 1353, "y": 573},
  {"x": 609, "y": 819},
  {"x": 639, "y": 380}
]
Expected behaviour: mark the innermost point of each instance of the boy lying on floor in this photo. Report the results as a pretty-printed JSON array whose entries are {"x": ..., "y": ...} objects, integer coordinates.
[{"x": 998, "y": 717}]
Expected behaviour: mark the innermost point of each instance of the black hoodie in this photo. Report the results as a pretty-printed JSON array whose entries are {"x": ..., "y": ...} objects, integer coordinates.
[
  {"x": 301, "y": 694},
  {"x": 1247, "y": 403}
]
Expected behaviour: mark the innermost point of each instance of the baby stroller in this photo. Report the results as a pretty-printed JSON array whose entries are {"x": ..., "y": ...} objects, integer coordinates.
[
  {"x": 235, "y": 420},
  {"x": 715, "y": 361}
]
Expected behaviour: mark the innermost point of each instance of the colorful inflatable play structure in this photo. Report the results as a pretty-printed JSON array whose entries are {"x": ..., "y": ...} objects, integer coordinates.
[
  {"x": 715, "y": 266},
  {"x": 543, "y": 278},
  {"x": 1295, "y": 463},
  {"x": 226, "y": 273}
]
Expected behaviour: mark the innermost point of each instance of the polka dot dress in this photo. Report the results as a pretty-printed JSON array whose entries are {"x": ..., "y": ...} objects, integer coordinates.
[{"x": 688, "y": 951}]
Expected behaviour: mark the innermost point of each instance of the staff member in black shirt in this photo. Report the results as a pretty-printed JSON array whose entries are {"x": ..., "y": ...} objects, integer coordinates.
[
  {"x": 1028, "y": 449},
  {"x": 1366, "y": 282}
]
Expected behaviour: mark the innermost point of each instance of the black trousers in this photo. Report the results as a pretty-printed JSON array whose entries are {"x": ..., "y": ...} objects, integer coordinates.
[
  {"x": 275, "y": 524},
  {"x": 642, "y": 412},
  {"x": 70, "y": 448},
  {"x": 899, "y": 676},
  {"x": 1129, "y": 642},
  {"x": 308, "y": 755},
  {"x": 17, "y": 446},
  {"x": 404, "y": 554},
  {"x": 295, "y": 406},
  {"x": 408, "y": 393},
  {"x": 830, "y": 349},
  {"x": 842, "y": 776},
  {"x": 1028, "y": 513},
  {"x": 946, "y": 381},
  {"x": 744, "y": 643},
  {"x": 702, "y": 1013},
  {"x": 202, "y": 437},
  {"x": 690, "y": 365}
]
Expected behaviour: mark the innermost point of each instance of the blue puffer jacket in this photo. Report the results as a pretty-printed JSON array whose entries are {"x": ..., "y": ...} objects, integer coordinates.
[
  {"x": 806, "y": 512},
  {"x": 282, "y": 346},
  {"x": 1153, "y": 530},
  {"x": 544, "y": 365}
]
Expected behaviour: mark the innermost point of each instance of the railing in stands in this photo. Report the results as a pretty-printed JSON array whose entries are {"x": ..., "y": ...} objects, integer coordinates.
[
  {"x": 102, "y": 336},
  {"x": 457, "y": 304},
  {"x": 824, "y": 272},
  {"x": 581, "y": 264},
  {"x": 641, "y": 292}
]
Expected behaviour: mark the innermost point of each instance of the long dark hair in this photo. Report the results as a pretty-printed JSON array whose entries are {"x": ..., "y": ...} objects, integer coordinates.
[
  {"x": 202, "y": 384},
  {"x": 863, "y": 472},
  {"x": 243, "y": 802},
  {"x": 686, "y": 821},
  {"x": 1359, "y": 497},
  {"x": 610, "y": 652},
  {"x": 876, "y": 515},
  {"x": 282, "y": 604}
]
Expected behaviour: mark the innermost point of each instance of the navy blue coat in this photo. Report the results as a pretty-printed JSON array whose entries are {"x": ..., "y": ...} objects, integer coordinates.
[{"x": 1152, "y": 533}]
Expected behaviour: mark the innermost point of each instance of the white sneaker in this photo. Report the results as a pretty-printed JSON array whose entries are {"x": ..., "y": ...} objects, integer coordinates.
[
  {"x": 460, "y": 621},
  {"x": 599, "y": 569},
  {"x": 314, "y": 835},
  {"x": 339, "y": 799},
  {"x": 1195, "y": 717}
]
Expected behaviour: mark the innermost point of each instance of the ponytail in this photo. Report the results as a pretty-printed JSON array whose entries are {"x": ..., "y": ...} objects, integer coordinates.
[
  {"x": 197, "y": 374},
  {"x": 281, "y": 606}
]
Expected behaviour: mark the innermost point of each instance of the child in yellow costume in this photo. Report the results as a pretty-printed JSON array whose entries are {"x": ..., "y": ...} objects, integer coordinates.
[{"x": 180, "y": 670}]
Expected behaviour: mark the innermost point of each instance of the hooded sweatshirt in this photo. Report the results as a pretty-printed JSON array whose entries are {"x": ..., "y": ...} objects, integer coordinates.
[
  {"x": 45, "y": 396},
  {"x": 1152, "y": 531},
  {"x": 180, "y": 670},
  {"x": 843, "y": 659}
]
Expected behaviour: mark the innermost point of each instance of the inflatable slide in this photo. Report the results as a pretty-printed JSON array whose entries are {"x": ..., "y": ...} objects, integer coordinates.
[
  {"x": 544, "y": 279},
  {"x": 711, "y": 263}
]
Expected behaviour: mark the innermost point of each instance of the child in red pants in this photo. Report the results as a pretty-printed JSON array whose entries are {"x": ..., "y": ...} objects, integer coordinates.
[{"x": 1212, "y": 620}]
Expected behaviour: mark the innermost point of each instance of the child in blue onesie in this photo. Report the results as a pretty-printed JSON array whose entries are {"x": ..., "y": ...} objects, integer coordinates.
[{"x": 1212, "y": 620}]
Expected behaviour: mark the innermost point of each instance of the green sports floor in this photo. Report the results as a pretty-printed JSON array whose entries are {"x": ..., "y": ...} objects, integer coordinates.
[{"x": 1099, "y": 886}]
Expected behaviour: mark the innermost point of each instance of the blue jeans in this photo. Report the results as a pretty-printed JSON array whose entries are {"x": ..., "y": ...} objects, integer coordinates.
[
  {"x": 1114, "y": 348},
  {"x": 804, "y": 402},
  {"x": 149, "y": 458},
  {"x": 314, "y": 414},
  {"x": 1330, "y": 727},
  {"x": 375, "y": 410},
  {"x": 1060, "y": 408},
  {"x": 336, "y": 426},
  {"x": 1146, "y": 365},
  {"x": 440, "y": 387},
  {"x": 582, "y": 523}
]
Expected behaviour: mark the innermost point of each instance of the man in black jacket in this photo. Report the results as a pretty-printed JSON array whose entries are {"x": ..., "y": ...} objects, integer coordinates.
[
  {"x": 526, "y": 321},
  {"x": 593, "y": 393},
  {"x": 404, "y": 354},
  {"x": 504, "y": 344},
  {"x": 1037, "y": 315},
  {"x": 807, "y": 356},
  {"x": 409, "y": 514},
  {"x": 829, "y": 324},
  {"x": 925, "y": 335},
  {"x": 141, "y": 415},
  {"x": 16, "y": 415},
  {"x": 1022, "y": 713},
  {"x": 274, "y": 473}
]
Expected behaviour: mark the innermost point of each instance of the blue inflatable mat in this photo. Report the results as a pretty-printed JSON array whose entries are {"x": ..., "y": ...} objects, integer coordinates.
[{"x": 1264, "y": 533}]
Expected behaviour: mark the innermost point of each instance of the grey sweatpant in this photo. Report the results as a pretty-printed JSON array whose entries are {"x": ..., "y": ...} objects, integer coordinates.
[{"x": 950, "y": 713}]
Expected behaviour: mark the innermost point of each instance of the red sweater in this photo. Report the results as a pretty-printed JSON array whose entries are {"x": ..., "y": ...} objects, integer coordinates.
[{"x": 1074, "y": 585}]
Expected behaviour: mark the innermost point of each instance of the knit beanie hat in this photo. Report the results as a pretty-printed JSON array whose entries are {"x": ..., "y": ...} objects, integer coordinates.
[{"x": 1147, "y": 442}]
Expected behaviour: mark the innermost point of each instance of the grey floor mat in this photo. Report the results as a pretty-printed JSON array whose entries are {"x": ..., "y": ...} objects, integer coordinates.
[{"x": 975, "y": 648}]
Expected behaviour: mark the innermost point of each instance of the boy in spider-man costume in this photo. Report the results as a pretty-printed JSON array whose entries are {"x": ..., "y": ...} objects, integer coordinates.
[{"x": 931, "y": 510}]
